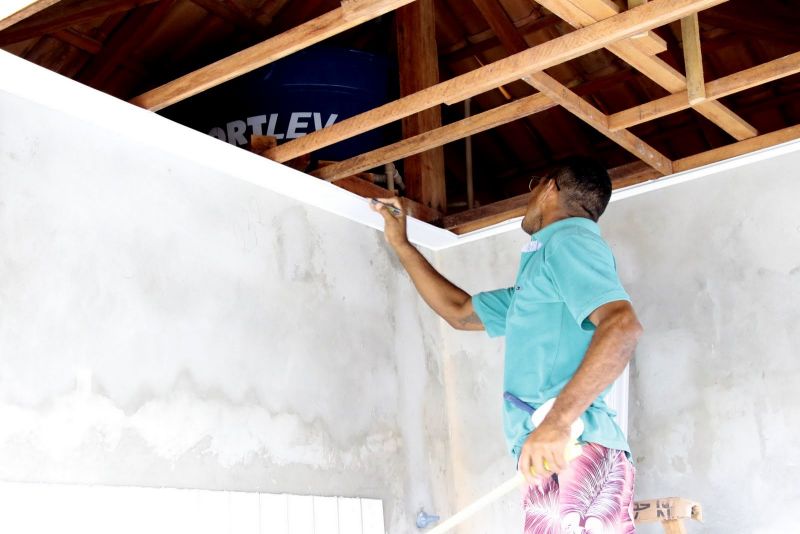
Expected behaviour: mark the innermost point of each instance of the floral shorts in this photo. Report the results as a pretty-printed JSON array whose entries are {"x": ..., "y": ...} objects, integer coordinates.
[{"x": 594, "y": 495}]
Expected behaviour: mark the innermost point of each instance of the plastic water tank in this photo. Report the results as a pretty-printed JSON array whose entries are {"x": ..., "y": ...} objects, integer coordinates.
[{"x": 294, "y": 96}]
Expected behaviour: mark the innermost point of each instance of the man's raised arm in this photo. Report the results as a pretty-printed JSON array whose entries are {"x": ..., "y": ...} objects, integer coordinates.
[{"x": 451, "y": 303}]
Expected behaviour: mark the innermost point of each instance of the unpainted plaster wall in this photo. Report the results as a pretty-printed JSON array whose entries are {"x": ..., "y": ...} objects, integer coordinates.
[
  {"x": 162, "y": 324},
  {"x": 713, "y": 267}
]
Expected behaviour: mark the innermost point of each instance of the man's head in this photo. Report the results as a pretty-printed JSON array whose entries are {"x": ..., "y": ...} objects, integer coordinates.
[{"x": 580, "y": 187}]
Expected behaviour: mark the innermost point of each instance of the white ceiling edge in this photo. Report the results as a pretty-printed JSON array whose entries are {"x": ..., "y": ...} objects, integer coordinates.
[{"x": 31, "y": 82}]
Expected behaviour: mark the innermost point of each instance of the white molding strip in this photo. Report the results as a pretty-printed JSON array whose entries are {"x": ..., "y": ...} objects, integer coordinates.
[
  {"x": 31, "y": 82},
  {"x": 32, "y": 508}
]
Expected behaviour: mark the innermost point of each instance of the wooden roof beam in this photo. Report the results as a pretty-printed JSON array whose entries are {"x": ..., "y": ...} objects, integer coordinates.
[
  {"x": 737, "y": 149},
  {"x": 438, "y": 137},
  {"x": 734, "y": 83},
  {"x": 350, "y": 14},
  {"x": 653, "y": 67},
  {"x": 498, "y": 20},
  {"x": 418, "y": 65},
  {"x": 66, "y": 15},
  {"x": 623, "y": 176},
  {"x": 599, "y": 121},
  {"x": 693, "y": 58},
  {"x": 22, "y": 11},
  {"x": 648, "y": 42},
  {"x": 538, "y": 58}
]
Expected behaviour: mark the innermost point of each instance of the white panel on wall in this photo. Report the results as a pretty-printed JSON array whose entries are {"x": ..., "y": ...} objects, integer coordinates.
[
  {"x": 349, "y": 516},
  {"x": 301, "y": 514},
  {"x": 326, "y": 515},
  {"x": 274, "y": 514},
  {"x": 372, "y": 516},
  {"x": 243, "y": 512},
  {"x": 71, "y": 509}
]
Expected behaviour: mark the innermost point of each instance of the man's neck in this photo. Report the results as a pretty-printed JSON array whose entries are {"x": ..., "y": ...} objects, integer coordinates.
[{"x": 555, "y": 216}]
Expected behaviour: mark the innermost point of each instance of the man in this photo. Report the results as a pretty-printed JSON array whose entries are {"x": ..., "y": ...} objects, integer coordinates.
[{"x": 570, "y": 331}]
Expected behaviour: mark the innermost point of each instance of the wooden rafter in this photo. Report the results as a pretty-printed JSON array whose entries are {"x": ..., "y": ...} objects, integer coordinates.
[
  {"x": 737, "y": 149},
  {"x": 23, "y": 12},
  {"x": 733, "y": 83},
  {"x": 434, "y": 138},
  {"x": 479, "y": 43},
  {"x": 648, "y": 42},
  {"x": 513, "y": 42},
  {"x": 418, "y": 63},
  {"x": 653, "y": 67},
  {"x": 66, "y": 15},
  {"x": 351, "y": 14},
  {"x": 504, "y": 71},
  {"x": 626, "y": 175},
  {"x": 599, "y": 121},
  {"x": 693, "y": 58},
  {"x": 123, "y": 42}
]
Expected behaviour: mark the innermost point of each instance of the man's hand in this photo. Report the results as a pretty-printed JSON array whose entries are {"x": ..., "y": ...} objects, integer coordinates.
[
  {"x": 546, "y": 443},
  {"x": 394, "y": 224}
]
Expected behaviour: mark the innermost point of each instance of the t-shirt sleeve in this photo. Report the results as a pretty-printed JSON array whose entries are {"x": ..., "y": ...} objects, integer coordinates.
[
  {"x": 492, "y": 308},
  {"x": 583, "y": 270}
]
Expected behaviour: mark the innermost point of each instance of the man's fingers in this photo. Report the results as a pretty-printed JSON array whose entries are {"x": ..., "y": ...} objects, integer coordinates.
[
  {"x": 559, "y": 461},
  {"x": 552, "y": 462},
  {"x": 394, "y": 201},
  {"x": 524, "y": 467},
  {"x": 538, "y": 464}
]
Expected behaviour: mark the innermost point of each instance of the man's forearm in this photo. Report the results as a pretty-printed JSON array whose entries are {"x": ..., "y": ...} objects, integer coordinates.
[
  {"x": 609, "y": 352},
  {"x": 444, "y": 297}
]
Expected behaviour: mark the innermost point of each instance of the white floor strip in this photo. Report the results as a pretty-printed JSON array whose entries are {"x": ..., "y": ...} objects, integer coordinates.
[{"x": 74, "y": 509}]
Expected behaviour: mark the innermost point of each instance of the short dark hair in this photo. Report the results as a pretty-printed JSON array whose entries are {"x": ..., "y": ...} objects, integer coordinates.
[{"x": 584, "y": 186}]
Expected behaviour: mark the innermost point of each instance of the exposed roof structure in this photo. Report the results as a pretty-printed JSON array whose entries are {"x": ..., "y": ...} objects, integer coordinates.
[{"x": 649, "y": 89}]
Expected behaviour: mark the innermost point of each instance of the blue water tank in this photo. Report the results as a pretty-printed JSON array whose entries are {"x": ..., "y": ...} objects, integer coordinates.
[{"x": 294, "y": 96}]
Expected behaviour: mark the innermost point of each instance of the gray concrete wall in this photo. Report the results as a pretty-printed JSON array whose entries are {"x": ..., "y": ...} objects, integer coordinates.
[
  {"x": 162, "y": 324},
  {"x": 713, "y": 267}
]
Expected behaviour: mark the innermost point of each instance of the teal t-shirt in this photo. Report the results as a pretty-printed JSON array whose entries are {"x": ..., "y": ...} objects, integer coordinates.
[{"x": 566, "y": 272}]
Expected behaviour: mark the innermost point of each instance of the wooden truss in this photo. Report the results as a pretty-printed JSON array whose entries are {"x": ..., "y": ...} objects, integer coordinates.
[{"x": 599, "y": 24}]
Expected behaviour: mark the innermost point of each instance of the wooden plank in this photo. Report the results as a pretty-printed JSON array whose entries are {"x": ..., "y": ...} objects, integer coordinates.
[
  {"x": 438, "y": 137},
  {"x": 693, "y": 58},
  {"x": 418, "y": 65},
  {"x": 623, "y": 176},
  {"x": 500, "y": 72},
  {"x": 498, "y": 20},
  {"x": 123, "y": 42},
  {"x": 674, "y": 526},
  {"x": 654, "y": 68},
  {"x": 79, "y": 40},
  {"x": 65, "y": 15},
  {"x": 22, "y": 12},
  {"x": 599, "y": 121},
  {"x": 719, "y": 88},
  {"x": 632, "y": 174},
  {"x": 737, "y": 149},
  {"x": 485, "y": 216},
  {"x": 483, "y": 41},
  {"x": 648, "y": 42},
  {"x": 288, "y": 42},
  {"x": 362, "y": 187}
]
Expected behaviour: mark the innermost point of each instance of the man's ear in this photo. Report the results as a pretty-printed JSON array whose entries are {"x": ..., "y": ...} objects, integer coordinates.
[{"x": 550, "y": 190}]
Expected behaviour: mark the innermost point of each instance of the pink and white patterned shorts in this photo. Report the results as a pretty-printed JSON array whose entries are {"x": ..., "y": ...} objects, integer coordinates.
[{"x": 594, "y": 495}]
